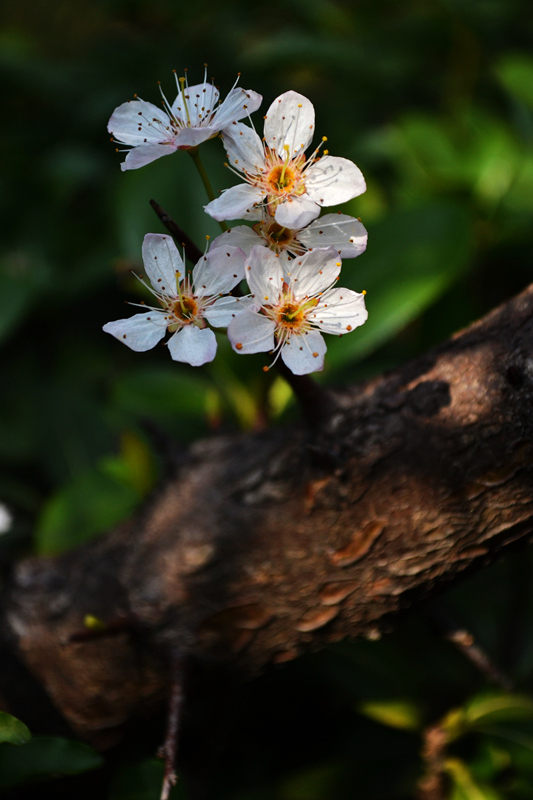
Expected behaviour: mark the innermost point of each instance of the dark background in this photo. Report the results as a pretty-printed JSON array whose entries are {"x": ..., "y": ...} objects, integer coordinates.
[{"x": 434, "y": 102}]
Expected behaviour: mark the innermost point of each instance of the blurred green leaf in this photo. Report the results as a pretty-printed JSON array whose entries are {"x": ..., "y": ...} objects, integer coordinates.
[
  {"x": 311, "y": 784},
  {"x": 134, "y": 466},
  {"x": 496, "y": 707},
  {"x": 12, "y": 730},
  {"x": 90, "y": 504},
  {"x": 412, "y": 258},
  {"x": 402, "y": 714},
  {"x": 165, "y": 394},
  {"x": 143, "y": 781},
  {"x": 516, "y": 74},
  {"x": 464, "y": 785},
  {"x": 45, "y": 757}
]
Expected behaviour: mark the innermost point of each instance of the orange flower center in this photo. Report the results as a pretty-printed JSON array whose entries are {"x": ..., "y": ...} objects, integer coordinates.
[{"x": 185, "y": 309}]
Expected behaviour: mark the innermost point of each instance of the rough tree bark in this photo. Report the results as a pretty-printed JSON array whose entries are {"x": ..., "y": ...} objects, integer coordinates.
[{"x": 270, "y": 544}]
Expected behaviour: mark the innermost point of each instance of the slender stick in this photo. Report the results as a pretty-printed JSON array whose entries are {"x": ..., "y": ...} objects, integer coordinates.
[
  {"x": 194, "y": 153},
  {"x": 192, "y": 252},
  {"x": 169, "y": 749},
  {"x": 465, "y": 642}
]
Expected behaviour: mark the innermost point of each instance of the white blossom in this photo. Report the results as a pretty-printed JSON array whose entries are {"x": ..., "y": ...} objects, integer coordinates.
[
  {"x": 291, "y": 308},
  {"x": 6, "y": 519},
  {"x": 187, "y": 303},
  {"x": 195, "y": 116},
  {"x": 279, "y": 178},
  {"x": 346, "y": 234}
]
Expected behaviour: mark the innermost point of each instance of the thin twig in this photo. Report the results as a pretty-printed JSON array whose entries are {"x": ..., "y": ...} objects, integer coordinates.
[
  {"x": 192, "y": 252},
  {"x": 177, "y": 695},
  {"x": 466, "y": 644}
]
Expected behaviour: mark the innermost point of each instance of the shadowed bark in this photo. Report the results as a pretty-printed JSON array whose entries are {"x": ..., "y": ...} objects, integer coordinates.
[{"x": 270, "y": 544}]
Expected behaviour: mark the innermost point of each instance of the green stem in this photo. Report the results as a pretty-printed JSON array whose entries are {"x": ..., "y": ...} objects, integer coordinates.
[{"x": 194, "y": 153}]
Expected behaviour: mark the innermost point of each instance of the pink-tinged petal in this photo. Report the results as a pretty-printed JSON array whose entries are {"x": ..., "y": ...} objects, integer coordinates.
[
  {"x": 161, "y": 262},
  {"x": 304, "y": 352},
  {"x": 339, "y": 311},
  {"x": 290, "y": 121},
  {"x": 219, "y": 271},
  {"x": 314, "y": 272},
  {"x": 297, "y": 212},
  {"x": 233, "y": 203},
  {"x": 250, "y": 332},
  {"x": 332, "y": 180},
  {"x": 239, "y": 103},
  {"x": 192, "y": 345},
  {"x": 346, "y": 234},
  {"x": 197, "y": 106},
  {"x": 138, "y": 122},
  {"x": 241, "y": 236},
  {"x": 264, "y": 274},
  {"x": 140, "y": 332},
  {"x": 225, "y": 309},
  {"x": 244, "y": 148},
  {"x": 145, "y": 154}
]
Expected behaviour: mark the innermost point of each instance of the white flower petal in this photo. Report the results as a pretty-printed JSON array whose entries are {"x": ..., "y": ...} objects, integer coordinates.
[
  {"x": 219, "y": 271},
  {"x": 250, "y": 332},
  {"x": 346, "y": 234},
  {"x": 233, "y": 203},
  {"x": 244, "y": 148},
  {"x": 304, "y": 352},
  {"x": 145, "y": 154},
  {"x": 332, "y": 180},
  {"x": 290, "y": 121},
  {"x": 138, "y": 122},
  {"x": 296, "y": 212},
  {"x": 192, "y": 345},
  {"x": 196, "y": 104},
  {"x": 161, "y": 262},
  {"x": 225, "y": 309},
  {"x": 314, "y": 272},
  {"x": 140, "y": 332},
  {"x": 264, "y": 274},
  {"x": 339, "y": 311},
  {"x": 241, "y": 236},
  {"x": 190, "y": 137},
  {"x": 239, "y": 103}
]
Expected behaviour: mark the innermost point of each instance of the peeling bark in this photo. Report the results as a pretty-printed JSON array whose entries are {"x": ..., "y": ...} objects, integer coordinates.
[{"x": 270, "y": 544}]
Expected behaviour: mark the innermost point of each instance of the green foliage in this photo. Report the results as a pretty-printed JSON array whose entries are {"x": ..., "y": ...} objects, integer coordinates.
[
  {"x": 142, "y": 781},
  {"x": 12, "y": 730},
  {"x": 45, "y": 757}
]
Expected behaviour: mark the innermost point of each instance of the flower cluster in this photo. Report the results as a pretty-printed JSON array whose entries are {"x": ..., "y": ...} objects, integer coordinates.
[{"x": 290, "y": 256}]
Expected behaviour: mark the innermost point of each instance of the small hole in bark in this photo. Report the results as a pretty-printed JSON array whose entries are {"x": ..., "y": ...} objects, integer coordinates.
[{"x": 515, "y": 376}]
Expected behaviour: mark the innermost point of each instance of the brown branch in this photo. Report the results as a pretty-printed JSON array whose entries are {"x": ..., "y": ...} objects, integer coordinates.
[
  {"x": 271, "y": 544},
  {"x": 192, "y": 252}
]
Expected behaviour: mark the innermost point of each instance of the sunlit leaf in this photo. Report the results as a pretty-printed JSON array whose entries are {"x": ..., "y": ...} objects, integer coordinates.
[
  {"x": 497, "y": 707},
  {"x": 12, "y": 730},
  {"x": 403, "y": 714},
  {"x": 464, "y": 785}
]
